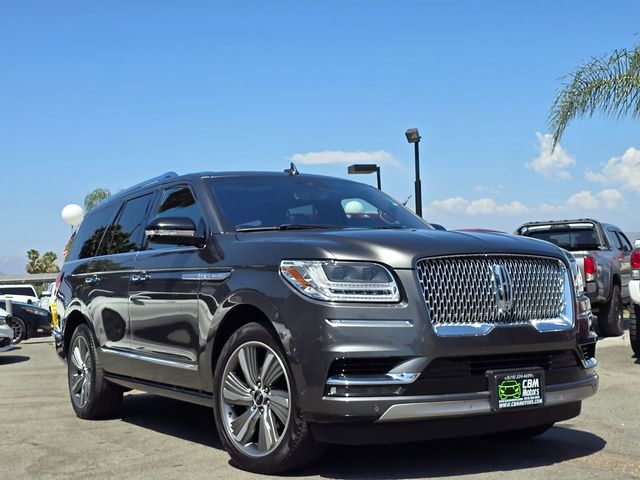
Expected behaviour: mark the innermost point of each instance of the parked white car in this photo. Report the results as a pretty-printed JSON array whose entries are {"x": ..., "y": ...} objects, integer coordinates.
[
  {"x": 6, "y": 332},
  {"x": 47, "y": 296},
  {"x": 24, "y": 293},
  {"x": 634, "y": 292}
]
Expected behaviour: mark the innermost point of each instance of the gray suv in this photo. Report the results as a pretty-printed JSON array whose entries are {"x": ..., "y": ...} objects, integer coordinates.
[{"x": 308, "y": 310}]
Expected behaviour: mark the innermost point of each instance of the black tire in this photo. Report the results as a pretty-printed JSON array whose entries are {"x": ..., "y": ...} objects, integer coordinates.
[
  {"x": 634, "y": 330},
  {"x": 295, "y": 446},
  {"x": 99, "y": 398},
  {"x": 522, "y": 433},
  {"x": 610, "y": 318},
  {"x": 20, "y": 329}
]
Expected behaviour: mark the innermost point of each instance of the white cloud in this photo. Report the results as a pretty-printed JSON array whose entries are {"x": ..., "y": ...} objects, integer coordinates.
[
  {"x": 623, "y": 171},
  {"x": 453, "y": 204},
  {"x": 607, "y": 199},
  {"x": 480, "y": 206},
  {"x": 551, "y": 163},
  {"x": 340, "y": 156},
  {"x": 488, "y": 189}
]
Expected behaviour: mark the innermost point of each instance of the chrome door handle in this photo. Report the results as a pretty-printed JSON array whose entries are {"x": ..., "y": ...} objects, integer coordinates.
[
  {"x": 140, "y": 277},
  {"x": 91, "y": 279}
]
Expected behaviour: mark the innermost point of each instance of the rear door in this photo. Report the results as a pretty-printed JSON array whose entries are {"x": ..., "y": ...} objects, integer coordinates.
[
  {"x": 163, "y": 299},
  {"x": 113, "y": 266}
]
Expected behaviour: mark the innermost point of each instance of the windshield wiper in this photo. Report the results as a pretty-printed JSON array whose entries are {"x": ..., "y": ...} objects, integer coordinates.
[
  {"x": 390, "y": 227},
  {"x": 285, "y": 226}
]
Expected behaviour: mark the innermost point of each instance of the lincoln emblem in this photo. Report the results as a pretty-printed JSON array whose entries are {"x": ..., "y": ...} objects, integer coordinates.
[{"x": 502, "y": 288}]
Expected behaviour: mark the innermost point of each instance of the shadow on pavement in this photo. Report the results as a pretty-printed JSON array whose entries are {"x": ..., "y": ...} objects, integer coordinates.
[
  {"x": 9, "y": 359},
  {"x": 454, "y": 457},
  {"x": 442, "y": 458},
  {"x": 190, "y": 422}
]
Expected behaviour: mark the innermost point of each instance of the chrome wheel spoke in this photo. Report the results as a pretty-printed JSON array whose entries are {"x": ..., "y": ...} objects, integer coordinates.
[
  {"x": 236, "y": 392},
  {"x": 268, "y": 434},
  {"x": 245, "y": 425},
  {"x": 271, "y": 369},
  {"x": 247, "y": 357},
  {"x": 84, "y": 392},
  {"x": 76, "y": 358},
  {"x": 279, "y": 402},
  {"x": 76, "y": 382}
]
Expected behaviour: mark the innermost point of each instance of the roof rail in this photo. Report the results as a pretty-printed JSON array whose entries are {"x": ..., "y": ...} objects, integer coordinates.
[{"x": 145, "y": 183}]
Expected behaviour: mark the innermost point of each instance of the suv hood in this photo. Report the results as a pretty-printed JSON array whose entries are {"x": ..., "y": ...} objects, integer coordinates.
[{"x": 396, "y": 248}]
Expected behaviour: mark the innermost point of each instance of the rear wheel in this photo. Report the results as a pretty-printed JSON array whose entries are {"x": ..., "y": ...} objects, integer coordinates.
[
  {"x": 610, "y": 319},
  {"x": 19, "y": 328},
  {"x": 634, "y": 329},
  {"x": 256, "y": 407},
  {"x": 92, "y": 397}
]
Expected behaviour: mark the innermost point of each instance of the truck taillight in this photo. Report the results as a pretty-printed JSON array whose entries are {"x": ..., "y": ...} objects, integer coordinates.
[
  {"x": 590, "y": 269},
  {"x": 635, "y": 264}
]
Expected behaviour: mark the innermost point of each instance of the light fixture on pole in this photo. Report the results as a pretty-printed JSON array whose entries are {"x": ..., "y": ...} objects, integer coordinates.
[
  {"x": 362, "y": 168},
  {"x": 413, "y": 136}
]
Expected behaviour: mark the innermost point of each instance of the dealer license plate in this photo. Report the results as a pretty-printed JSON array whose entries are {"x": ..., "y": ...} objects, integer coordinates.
[{"x": 516, "y": 388}]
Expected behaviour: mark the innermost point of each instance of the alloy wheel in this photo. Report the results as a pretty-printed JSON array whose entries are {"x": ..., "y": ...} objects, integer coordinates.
[
  {"x": 255, "y": 399},
  {"x": 18, "y": 328},
  {"x": 80, "y": 371}
]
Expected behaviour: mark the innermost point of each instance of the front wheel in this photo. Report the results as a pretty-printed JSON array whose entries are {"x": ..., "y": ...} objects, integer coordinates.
[
  {"x": 256, "y": 408},
  {"x": 610, "y": 319},
  {"x": 634, "y": 330},
  {"x": 19, "y": 328}
]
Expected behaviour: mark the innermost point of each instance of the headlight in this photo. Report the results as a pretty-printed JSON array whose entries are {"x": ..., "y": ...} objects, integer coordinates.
[
  {"x": 37, "y": 311},
  {"x": 341, "y": 281}
]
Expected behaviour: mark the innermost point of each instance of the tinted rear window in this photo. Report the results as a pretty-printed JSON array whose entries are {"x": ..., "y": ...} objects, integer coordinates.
[
  {"x": 87, "y": 240},
  {"x": 126, "y": 233},
  {"x": 27, "y": 291},
  {"x": 263, "y": 201},
  {"x": 572, "y": 240}
]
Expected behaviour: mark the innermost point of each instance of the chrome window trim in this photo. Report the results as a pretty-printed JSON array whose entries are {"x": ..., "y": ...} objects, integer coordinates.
[{"x": 386, "y": 379}]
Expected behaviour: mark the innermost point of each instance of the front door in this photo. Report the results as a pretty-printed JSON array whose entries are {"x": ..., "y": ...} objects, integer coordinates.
[{"x": 166, "y": 340}]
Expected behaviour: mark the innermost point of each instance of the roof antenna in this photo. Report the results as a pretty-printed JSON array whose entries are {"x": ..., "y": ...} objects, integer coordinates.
[{"x": 292, "y": 170}]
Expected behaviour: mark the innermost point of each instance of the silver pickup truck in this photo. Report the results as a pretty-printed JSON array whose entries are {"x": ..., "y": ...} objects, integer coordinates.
[{"x": 603, "y": 253}]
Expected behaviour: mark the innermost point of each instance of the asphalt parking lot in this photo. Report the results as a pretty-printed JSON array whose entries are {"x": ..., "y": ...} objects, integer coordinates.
[{"x": 40, "y": 437}]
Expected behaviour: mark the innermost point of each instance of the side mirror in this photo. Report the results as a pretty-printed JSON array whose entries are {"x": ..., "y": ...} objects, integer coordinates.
[{"x": 173, "y": 230}]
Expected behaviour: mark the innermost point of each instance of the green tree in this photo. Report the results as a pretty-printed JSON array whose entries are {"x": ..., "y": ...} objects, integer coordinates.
[
  {"x": 609, "y": 84},
  {"x": 41, "y": 264},
  {"x": 93, "y": 199}
]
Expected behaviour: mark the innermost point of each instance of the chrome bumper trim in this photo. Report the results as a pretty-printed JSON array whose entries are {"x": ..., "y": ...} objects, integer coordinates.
[
  {"x": 147, "y": 358},
  {"x": 386, "y": 379},
  {"x": 369, "y": 323},
  {"x": 438, "y": 406}
]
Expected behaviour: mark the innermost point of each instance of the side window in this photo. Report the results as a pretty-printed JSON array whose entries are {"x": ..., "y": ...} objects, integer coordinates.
[
  {"x": 126, "y": 233},
  {"x": 615, "y": 240},
  {"x": 624, "y": 241},
  {"x": 178, "y": 202},
  {"x": 86, "y": 241}
]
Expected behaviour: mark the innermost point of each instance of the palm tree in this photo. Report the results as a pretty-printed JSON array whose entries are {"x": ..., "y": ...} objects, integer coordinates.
[{"x": 609, "y": 84}]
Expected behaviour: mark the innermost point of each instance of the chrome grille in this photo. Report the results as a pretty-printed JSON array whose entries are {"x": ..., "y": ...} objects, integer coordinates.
[{"x": 461, "y": 290}]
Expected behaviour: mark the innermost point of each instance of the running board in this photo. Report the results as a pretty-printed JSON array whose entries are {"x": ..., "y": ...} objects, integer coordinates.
[{"x": 177, "y": 393}]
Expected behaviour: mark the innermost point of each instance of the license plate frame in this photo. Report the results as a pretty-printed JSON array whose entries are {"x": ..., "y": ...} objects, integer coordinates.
[{"x": 516, "y": 388}]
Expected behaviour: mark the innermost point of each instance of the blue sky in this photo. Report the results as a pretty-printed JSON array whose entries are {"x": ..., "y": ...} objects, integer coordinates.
[{"x": 106, "y": 94}]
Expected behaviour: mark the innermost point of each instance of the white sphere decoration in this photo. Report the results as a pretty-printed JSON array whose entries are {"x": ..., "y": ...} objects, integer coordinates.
[
  {"x": 354, "y": 207},
  {"x": 72, "y": 214}
]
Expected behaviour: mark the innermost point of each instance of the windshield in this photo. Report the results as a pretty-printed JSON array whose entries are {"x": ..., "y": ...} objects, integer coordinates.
[
  {"x": 572, "y": 240},
  {"x": 252, "y": 202}
]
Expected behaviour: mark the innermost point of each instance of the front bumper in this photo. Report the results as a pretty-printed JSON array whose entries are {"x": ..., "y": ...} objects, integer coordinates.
[
  {"x": 320, "y": 335},
  {"x": 634, "y": 291}
]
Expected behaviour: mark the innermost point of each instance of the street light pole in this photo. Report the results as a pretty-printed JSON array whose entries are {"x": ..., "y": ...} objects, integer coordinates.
[
  {"x": 378, "y": 177},
  {"x": 418, "y": 183},
  {"x": 413, "y": 136},
  {"x": 363, "y": 168}
]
